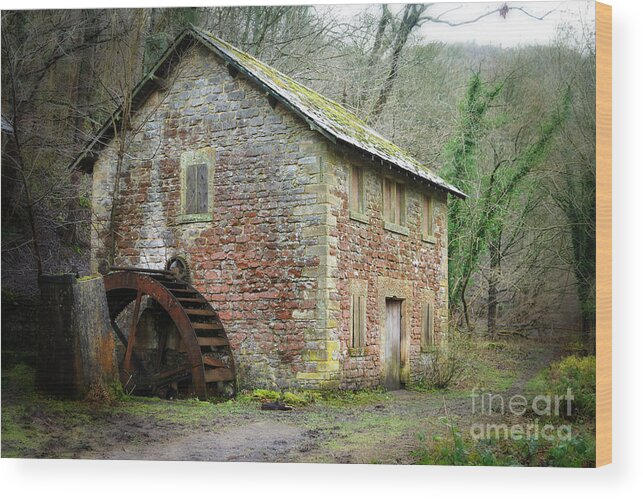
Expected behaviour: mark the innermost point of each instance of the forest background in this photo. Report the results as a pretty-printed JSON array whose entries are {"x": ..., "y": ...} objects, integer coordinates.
[{"x": 512, "y": 125}]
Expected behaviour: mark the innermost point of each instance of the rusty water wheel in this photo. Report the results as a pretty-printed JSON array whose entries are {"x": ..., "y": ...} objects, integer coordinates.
[{"x": 208, "y": 365}]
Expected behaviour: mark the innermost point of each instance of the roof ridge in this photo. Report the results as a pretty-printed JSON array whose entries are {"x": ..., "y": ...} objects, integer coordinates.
[
  {"x": 283, "y": 75},
  {"x": 328, "y": 115}
]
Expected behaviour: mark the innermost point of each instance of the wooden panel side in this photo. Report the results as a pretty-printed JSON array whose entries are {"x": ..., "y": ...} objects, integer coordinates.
[{"x": 603, "y": 234}]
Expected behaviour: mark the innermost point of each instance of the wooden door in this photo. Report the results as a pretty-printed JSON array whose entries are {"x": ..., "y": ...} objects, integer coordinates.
[{"x": 392, "y": 338}]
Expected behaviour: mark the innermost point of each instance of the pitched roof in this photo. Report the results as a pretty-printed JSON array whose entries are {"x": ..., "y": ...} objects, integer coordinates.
[{"x": 322, "y": 114}]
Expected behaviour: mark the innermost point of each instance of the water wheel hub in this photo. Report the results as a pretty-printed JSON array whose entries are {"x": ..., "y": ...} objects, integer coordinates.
[{"x": 201, "y": 357}]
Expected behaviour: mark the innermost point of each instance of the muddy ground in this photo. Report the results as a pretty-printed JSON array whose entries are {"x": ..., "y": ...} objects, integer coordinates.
[{"x": 364, "y": 427}]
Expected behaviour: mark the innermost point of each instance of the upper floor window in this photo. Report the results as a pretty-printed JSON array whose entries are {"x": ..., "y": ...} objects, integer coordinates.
[
  {"x": 427, "y": 218},
  {"x": 197, "y": 175},
  {"x": 356, "y": 193},
  {"x": 196, "y": 189},
  {"x": 394, "y": 202}
]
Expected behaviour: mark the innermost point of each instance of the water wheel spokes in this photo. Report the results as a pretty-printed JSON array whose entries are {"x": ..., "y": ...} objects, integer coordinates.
[{"x": 208, "y": 356}]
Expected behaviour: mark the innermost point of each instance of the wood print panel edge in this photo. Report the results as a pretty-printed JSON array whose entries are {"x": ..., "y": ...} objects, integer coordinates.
[{"x": 603, "y": 234}]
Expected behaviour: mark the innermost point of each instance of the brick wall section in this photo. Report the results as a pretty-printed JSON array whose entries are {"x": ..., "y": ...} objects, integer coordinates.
[
  {"x": 390, "y": 264},
  {"x": 253, "y": 260}
]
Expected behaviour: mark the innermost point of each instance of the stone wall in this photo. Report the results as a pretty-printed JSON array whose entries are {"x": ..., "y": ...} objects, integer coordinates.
[
  {"x": 249, "y": 255},
  {"x": 387, "y": 262},
  {"x": 277, "y": 251}
]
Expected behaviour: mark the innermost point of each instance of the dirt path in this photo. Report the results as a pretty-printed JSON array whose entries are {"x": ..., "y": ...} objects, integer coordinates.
[
  {"x": 257, "y": 441},
  {"x": 378, "y": 428},
  {"x": 534, "y": 362},
  {"x": 317, "y": 433}
]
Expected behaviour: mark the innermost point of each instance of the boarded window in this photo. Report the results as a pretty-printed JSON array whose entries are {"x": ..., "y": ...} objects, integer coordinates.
[
  {"x": 427, "y": 216},
  {"x": 428, "y": 333},
  {"x": 196, "y": 189},
  {"x": 356, "y": 193},
  {"x": 358, "y": 321},
  {"x": 394, "y": 202}
]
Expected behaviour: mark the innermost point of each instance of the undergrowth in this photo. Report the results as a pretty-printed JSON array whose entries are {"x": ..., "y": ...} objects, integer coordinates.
[
  {"x": 573, "y": 373},
  {"x": 301, "y": 398},
  {"x": 456, "y": 450}
]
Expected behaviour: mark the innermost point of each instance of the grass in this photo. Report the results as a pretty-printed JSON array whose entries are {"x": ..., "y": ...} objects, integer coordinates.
[
  {"x": 35, "y": 425},
  {"x": 32, "y": 423},
  {"x": 489, "y": 366},
  {"x": 456, "y": 450},
  {"x": 337, "y": 426}
]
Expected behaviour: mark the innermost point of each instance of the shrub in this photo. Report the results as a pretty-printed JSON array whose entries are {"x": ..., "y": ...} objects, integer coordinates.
[
  {"x": 299, "y": 398},
  {"x": 264, "y": 395},
  {"x": 289, "y": 398},
  {"x": 579, "y": 452},
  {"x": 573, "y": 372},
  {"x": 455, "y": 450},
  {"x": 443, "y": 367},
  {"x": 579, "y": 374}
]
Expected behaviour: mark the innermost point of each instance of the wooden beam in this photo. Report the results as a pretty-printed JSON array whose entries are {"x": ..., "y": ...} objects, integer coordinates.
[
  {"x": 212, "y": 341},
  {"x": 127, "y": 362}
]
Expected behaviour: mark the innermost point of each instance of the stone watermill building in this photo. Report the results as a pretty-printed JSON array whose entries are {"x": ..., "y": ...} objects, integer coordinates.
[{"x": 321, "y": 246}]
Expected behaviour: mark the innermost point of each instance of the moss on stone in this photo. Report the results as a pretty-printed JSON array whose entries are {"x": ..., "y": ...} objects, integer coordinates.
[{"x": 89, "y": 277}]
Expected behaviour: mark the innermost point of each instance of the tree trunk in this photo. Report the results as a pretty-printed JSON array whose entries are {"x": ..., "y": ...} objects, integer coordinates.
[
  {"x": 410, "y": 20},
  {"x": 492, "y": 289},
  {"x": 135, "y": 49}
]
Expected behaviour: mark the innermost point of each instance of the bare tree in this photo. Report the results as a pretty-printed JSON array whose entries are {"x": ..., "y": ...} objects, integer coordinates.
[{"x": 409, "y": 19}]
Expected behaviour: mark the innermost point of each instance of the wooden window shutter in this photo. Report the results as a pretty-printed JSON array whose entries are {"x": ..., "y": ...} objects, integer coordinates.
[
  {"x": 386, "y": 199},
  {"x": 428, "y": 336},
  {"x": 427, "y": 216},
  {"x": 393, "y": 189},
  {"x": 399, "y": 204},
  {"x": 393, "y": 200},
  {"x": 362, "y": 320},
  {"x": 202, "y": 188},
  {"x": 358, "y": 321},
  {"x": 354, "y": 322},
  {"x": 355, "y": 193},
  {"x": 196, "y": 189},
  {"x": 190, "y": 189}
]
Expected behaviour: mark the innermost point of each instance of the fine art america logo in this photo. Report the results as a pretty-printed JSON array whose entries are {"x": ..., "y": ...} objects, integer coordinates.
[{"x": 545, "y": 406}]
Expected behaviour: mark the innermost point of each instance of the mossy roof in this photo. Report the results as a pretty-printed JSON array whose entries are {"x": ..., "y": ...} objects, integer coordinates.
[{"x": 322, "y": 113}]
